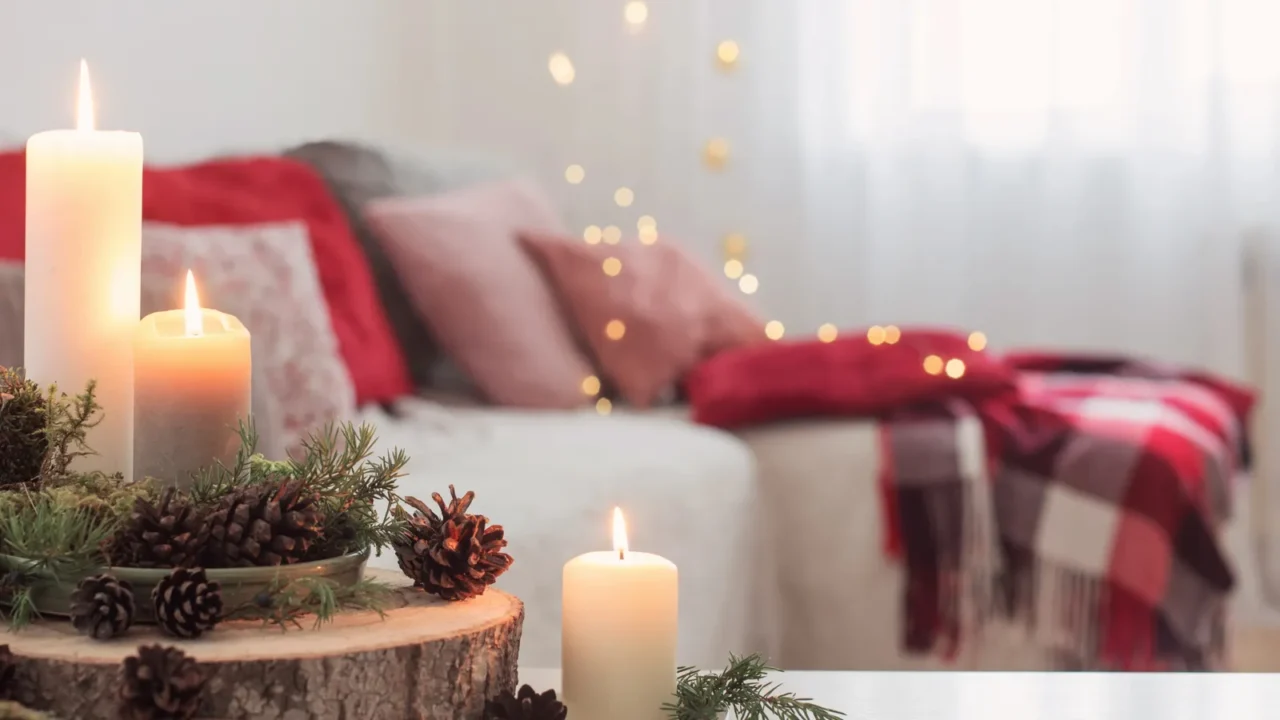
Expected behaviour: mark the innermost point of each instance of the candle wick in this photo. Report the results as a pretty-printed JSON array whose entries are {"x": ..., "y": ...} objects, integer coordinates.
[{"x": 622, "y": 554}]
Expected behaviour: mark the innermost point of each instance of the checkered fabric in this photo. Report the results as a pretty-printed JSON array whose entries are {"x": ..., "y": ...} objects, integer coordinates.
[{"x": 1086, "y": 504}]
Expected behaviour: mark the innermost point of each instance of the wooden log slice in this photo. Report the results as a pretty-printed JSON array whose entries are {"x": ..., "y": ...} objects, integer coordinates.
[{"x": 426, "y": 660}]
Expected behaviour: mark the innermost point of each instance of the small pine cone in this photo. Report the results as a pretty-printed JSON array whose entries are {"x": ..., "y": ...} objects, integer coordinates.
[
  {"x": 527, "y": 704},
  {"x": 455, "y": 557},
  {"x": 102, "y": 606},
  {"x": 187, "y": 603},
  {"x": 8, "y": 668},
  {"x": 163, "y": 533},
  {"x": 160, "y": 683}
]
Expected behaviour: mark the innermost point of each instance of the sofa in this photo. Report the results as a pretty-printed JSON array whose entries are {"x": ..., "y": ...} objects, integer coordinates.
[{"x": 776, "y": 529}]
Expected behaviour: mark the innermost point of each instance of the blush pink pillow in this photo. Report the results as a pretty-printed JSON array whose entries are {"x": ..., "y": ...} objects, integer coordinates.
[
  {"x": 654, "y": 320},
  {"x": 459, "y": 258}
]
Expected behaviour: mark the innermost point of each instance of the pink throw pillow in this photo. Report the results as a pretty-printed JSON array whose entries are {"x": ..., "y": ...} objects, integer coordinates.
[
  {"x": 651, "y": 322},
  {"x": 459, "y": 258},
  {"x": 266, "y": 276}
]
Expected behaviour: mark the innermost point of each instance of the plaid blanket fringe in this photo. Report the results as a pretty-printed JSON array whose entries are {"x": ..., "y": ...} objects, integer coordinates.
[{"x": 971, "y": 555}]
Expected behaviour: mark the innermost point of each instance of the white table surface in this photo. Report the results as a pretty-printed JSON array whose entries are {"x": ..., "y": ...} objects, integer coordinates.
[{"x": 1024, "y": 696}]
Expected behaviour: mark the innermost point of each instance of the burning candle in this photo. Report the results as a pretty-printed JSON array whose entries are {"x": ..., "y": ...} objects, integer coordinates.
[
  {"x": 618, "y": 625},
  {"x": 83, "y": 271},
  {"x": 193, "y": 388}
]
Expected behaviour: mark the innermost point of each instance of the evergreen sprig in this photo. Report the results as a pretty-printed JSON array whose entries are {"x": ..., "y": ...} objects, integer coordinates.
[
  {"x": 57, "y": 537},
  {"x": 336, "y": 463},
  {"x": 744, "y": 687},
  {"x": 214, "y": 482},
  {"x": 67, "y": 424},
  {"x": 285, "y": 603}
]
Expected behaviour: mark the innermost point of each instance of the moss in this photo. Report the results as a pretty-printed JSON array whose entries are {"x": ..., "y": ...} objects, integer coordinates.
[{"x": 23, "y": 417}]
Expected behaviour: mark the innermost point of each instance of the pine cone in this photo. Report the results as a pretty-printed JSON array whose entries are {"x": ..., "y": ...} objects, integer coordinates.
[
  {"x": 8, "y": 668},
  {"x": 263, "y": 525},
  {"x": 454, "y": 555},
  {"x": 187, "y": 603},
  {"x": 160, "y": 683},
  {"x": 526, "y": 705},
  {"x": 23, "y": 442},
  {"x": 102, "y": 606},
  {"x": 166, "y": 533}
]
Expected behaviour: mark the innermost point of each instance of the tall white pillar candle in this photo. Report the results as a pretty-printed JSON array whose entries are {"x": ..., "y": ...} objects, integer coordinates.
[
  {"x": 618, "y": 625},
  {"x": 192, "y": 390},
  {"x": 83, "y": 272}
]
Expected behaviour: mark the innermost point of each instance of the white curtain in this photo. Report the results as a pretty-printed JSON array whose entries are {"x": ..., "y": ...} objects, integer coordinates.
[{"x": 1053, "y": 172}]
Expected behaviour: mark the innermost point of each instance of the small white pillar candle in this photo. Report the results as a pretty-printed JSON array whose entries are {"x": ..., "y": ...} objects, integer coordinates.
[
  {"x": 83, "y": 270},
  {"x": 193, "y": 384},
  {"x": 618, "y": 625}
]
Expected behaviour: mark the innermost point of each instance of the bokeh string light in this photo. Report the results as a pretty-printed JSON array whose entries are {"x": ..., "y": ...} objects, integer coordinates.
[
  {"x": 561, "y": 67},
  {"x": 636, "y": 14},
  {"x": 727, "y": 55},
  {"x": 933, "y": 365},
  {"x": 716, "y": 154}
]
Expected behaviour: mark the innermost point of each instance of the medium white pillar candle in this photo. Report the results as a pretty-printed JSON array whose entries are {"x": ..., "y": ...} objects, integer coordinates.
[
  {"x": 193, "y": 384},
  {"x": 618, "y": 625},
  {"x": 83, "y": 268}
]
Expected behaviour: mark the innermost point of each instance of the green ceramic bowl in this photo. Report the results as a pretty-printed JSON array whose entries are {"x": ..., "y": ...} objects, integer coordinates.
[{"x": 239, "y": 585}]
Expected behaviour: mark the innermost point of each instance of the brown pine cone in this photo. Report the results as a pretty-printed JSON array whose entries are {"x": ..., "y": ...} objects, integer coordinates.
[
  {"x": 187, "y": 603},
  {"x": 163, "y": 533},
  {"x": 8, "y": 668},
  {"x": 453, "y": 555},
  {"x": 102, "y": 606},
  {"x": 527, "y": 704},
  {"x": 160, "y": 683},
  {"x": 272, "y": 524}
]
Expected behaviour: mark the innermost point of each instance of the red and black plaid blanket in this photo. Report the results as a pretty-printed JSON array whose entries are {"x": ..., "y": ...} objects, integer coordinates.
[{"x": 1087, "y": 504}]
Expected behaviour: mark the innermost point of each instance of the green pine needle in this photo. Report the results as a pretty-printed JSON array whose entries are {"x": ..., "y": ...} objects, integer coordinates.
[
  {"x": 743, "y": 687},
  {"x": 286, "y": 603}
]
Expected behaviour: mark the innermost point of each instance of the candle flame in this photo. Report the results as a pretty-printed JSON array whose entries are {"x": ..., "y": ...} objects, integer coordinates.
[
  {"x": 619, "y": 533},
  {"x": 84, "y": 107},
  {"x": 193, "y": 316}
]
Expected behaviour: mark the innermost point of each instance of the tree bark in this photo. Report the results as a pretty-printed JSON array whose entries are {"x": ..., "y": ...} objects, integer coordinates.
[{"x": 426, "y": 660}]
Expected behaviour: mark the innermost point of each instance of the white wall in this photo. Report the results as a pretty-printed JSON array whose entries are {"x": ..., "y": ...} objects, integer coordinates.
[{"x": 203, "y": 76}]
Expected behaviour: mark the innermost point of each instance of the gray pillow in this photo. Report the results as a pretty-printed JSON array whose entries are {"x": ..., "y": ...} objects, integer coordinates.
[{"x": 359, "y": 173}]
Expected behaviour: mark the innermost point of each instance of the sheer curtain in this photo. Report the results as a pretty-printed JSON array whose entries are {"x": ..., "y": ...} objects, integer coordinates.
[
  {"x": 1053, "y": 172},
  {"x": 1067, "y": 172}
]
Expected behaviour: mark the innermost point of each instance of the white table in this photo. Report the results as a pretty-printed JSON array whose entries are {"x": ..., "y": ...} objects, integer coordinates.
[{"x": 1025, "y": 696}]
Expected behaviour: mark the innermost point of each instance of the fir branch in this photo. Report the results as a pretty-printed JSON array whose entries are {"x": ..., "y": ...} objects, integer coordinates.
[
  {"x": 337, "y": 464},
  {"x": 285, "y": 603},
  {"x": 743, "y": 687},
  {"x": 22, "y": 607},
  {"x": 216, "y": 481}
]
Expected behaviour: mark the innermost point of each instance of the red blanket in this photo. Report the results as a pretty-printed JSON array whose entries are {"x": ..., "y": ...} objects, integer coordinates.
[{"x": 1093, "y": 513}]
